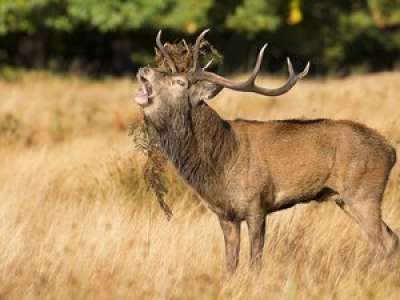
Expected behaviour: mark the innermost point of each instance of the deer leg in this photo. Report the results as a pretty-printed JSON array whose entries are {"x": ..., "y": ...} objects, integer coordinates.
[
  {"x": 367, "y": 214},
  {"x": 231, "y": 231},
  {"x": 256, "y": 225}
]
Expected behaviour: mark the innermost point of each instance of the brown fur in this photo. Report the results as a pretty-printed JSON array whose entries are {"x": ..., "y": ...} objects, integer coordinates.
[{"x": 245, "y": 170}]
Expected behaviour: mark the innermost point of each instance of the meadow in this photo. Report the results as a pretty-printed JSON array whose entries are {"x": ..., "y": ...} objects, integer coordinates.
[{"x": 77, "y": 222}]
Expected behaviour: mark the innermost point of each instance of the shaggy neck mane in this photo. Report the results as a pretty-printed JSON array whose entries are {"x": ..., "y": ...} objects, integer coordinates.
[{"x": 199, "y": 144}]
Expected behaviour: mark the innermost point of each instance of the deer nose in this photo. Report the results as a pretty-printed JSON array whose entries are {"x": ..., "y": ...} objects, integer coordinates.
[{"x": 144, "y": 71}]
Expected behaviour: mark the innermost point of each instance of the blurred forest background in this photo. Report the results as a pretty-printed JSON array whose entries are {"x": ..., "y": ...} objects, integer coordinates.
[
  {"x": 116, "y": 36},
  {"x": 77, "y": 220}
]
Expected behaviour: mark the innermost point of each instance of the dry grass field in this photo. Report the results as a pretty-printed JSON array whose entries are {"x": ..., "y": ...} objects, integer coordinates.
[{"x": 76, "y": 221}]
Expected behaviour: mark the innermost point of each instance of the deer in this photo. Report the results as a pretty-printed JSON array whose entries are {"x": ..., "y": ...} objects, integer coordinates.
[{"x": 244, "y": 170}]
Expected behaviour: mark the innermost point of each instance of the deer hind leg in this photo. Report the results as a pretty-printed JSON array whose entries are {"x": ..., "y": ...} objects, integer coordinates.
[
  {"x": 365, "y": 210},
  {"x": 231, "y": 231}
]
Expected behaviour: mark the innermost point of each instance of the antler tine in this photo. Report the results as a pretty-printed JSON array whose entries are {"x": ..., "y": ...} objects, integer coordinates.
[
  {"x": 305, "y": 71},
  {"x": 249, "y": 84},
  {"x": 164, "y": 52},
  {"x": 257, "y": 67},
  {"x": 290, "y": 67},
  {"x": 196, "y": 50}
]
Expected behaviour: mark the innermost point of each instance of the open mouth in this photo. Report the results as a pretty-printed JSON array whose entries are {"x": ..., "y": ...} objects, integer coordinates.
[{"x": 145, "y": 92}]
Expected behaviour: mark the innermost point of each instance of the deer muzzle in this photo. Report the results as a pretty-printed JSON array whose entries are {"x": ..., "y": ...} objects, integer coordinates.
[{"x": 145, "y": 92}]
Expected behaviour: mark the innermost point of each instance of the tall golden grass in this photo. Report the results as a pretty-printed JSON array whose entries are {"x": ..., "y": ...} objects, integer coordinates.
[{"x": 76, "y": 221}]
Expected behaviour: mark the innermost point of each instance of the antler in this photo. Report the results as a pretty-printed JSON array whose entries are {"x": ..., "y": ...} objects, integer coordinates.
[
  {"x": 164, "y": 52},
  {"x": 196, "y": 50},
  {"x": 249, "y": 84}
]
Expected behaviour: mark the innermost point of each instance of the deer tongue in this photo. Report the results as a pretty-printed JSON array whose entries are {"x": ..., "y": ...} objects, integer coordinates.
[{"x": 142, "y": 96}]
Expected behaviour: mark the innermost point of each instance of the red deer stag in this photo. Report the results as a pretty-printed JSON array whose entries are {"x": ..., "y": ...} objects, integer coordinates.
[{"x": 244, "y": 170}]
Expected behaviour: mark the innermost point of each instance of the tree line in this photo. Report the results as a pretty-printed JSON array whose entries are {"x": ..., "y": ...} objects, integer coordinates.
[{"x": 116, "y": 36}]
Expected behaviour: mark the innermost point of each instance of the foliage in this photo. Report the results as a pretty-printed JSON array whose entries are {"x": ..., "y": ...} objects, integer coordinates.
[
  {"x": 146, "y": 142},
  {"x": 255, "y": 16},
  {"x": 337, "y": 35}
]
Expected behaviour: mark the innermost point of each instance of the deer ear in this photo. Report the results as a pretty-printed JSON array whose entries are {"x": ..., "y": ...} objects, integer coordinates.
[{"x": 203, "y": 91}]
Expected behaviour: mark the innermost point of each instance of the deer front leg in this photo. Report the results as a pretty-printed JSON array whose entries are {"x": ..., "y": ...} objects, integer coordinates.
[
  {"x": 231, "y": 232},
  {"x": 256, "y": 225}
]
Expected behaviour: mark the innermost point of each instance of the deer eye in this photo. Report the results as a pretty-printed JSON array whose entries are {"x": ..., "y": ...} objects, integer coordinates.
[{"x": 181, "y": 82}]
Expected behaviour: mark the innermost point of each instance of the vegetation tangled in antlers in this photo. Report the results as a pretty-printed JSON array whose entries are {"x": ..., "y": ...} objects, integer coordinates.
[
  {"x": 182, "y": 55},
  {"x": 154, "y": 170}
]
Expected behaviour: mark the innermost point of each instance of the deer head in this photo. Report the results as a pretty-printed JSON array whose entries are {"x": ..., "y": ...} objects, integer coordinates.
[{"x": 165, "y": 93}]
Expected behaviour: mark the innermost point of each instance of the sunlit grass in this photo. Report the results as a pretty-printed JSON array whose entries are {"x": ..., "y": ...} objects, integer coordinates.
[{"x": 76, "y": 221}]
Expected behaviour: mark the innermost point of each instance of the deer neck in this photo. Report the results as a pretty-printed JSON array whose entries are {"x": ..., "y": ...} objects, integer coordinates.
[{"x": 199, "y": 144}]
